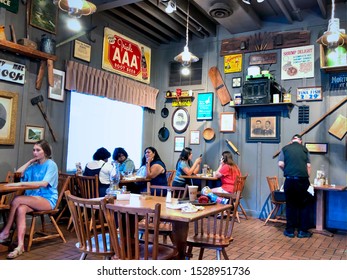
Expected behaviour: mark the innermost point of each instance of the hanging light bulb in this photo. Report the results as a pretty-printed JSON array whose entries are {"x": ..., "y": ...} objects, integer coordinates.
[
  {"x": 76, "y": 8},
  {"x": 185, "y": 71},
  {"x": 186, "y": 57}
]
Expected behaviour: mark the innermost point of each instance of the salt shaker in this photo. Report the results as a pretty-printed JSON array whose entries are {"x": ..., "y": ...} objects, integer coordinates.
[{"x": 168, "y": 196}]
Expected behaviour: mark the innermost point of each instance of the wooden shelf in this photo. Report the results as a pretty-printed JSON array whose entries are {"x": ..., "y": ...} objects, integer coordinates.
[
  {"x": 181, "y": 97},
  {"x": 26, "y": 51},
  {"x": 284, "y": 107}
]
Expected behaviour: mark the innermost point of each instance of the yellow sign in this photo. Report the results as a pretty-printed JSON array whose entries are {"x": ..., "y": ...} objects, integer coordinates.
[
  {"x": 182, "y": 102},
  {"x": 233, "y": 63}
]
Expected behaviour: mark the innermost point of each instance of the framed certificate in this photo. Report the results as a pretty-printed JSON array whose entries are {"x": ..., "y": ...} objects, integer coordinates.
[{"x": 227, "y": 122}]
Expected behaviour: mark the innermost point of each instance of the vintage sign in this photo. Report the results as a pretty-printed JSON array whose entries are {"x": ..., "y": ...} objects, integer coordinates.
[
  {"x": 309, "y": 93},
  {"x": 232, "y": 63},
  {"x": 338, "y": 81},
  {"x": 82, "y": 51},
  {"x": 125, "y": 56},
  {"x": 266, "y": 58},
  {"x": 182, "y": 102},
  {"x": 204, "y": 109},
  {"x": 10, "y": 5},
  {"x": 297, "y": 63},
  {"x": 12, "y": 72}
]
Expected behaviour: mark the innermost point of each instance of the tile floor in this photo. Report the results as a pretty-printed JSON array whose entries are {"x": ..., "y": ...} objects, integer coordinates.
[{"x": 252, "y": 241}]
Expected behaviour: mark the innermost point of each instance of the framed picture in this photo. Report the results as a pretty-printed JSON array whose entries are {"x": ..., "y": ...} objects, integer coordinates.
[
  {"x": 57, "y": 91},
  {"x": 44, "y": 15},
  {"x": 179, "y": 143},
  {"x": 317, "y": 148},
  {"x": 33, "y": 133},
  {"x": 194, "y": 137},
  {"x": 8, "y": 117},
  {"x": 233, "y": 63},
  {"x": 204, "y": 106},
  {"x": 82, "y": 51},
  {"x": 309, "y": 93},
  {"x": 180, "y": 120},
  {"x": 236, "y": 83},
  {"x": 262, "y": 127},
  {"x": 227, "y": 122}
]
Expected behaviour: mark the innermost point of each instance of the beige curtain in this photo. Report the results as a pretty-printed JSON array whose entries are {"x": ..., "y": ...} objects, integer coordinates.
[{"x": 82, "y": 78}]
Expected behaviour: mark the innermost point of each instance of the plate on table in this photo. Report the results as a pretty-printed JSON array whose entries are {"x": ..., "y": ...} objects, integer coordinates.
[{"x": 197, "y": 203}]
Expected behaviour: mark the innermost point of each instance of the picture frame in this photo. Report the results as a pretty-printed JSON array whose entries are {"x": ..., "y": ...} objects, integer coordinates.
[
  {"x": 309, "y": 94},
  {"x": 33, "y": 133},
  {"x": 180, "y": 120},
  {"x": 317, "y": 148},
  {"x": 204, "y": 109},
  {"x": 227, "y": 122},
  {"x": 57, "y": 91},
  {"x": 179, "y": 143},
  {"x": 194, "y": 137},
  {"x": 263, "y": 127},
  {"x": 236, "y": 82},
  {"x": 8, "y": 117},
  {"x": 82, "y": 50},
  {"x": 44, "y": 15}
]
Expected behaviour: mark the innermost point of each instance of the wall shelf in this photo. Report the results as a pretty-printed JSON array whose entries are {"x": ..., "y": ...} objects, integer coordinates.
[
  {"x": 284, "y": 107},
  {"x": 323, "y": 66}
]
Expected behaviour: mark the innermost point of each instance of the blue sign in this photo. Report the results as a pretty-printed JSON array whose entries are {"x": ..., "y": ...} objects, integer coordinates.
[
  {"x": 205, "y": 106},
  {"x": 338, "y": 81}
]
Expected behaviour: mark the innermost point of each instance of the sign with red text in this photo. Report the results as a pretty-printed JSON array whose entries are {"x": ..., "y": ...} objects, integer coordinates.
[
  {"x": 125, "y": 56},
  {"x": 297, "y": 63}
]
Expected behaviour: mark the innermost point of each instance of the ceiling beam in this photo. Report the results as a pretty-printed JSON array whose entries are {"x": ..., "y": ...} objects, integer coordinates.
[
  {"x": 107, "y": 5},
  {"x": 323, "y": 8}
]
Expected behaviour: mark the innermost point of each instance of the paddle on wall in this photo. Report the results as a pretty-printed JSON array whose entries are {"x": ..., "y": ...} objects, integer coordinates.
[{"x": 219, "y": 85}]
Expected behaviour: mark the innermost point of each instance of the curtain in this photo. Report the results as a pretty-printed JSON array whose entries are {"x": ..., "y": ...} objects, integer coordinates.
[{"x": 85, "y": 79}]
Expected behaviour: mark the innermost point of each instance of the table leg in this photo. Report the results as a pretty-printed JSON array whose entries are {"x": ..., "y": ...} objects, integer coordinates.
[
  {"x": 320, "y": 213},
  {"x": 180, "y": 234}
]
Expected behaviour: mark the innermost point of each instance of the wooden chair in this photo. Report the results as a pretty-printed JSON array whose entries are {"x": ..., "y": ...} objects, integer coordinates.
[
  {"x": 6, "y": 199},
  {"x": 165, "y": 228},
  {"x": 129, "y": 241},
  {"x": 96, "y": 241},
  {"x": 215, "y": 232},
  {"x": 170, "y": 176},
  {"x": 88, "y": 186},
  {"x": 63, "y": 184},
  {"x": 232, "y": 198},
  {"x": 277, "y": 203}
]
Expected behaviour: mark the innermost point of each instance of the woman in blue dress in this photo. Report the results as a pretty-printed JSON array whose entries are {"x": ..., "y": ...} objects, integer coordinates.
[{"x": 40, "y": 171}]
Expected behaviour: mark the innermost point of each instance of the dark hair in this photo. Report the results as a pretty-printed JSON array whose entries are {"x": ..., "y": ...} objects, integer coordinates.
[
  {"x": 45, "y": 147},
  {"x": 156, "y": 155},
  {"x": 226, "y": 152},
  {"x": 101, "y": 154},
  {"x": 298, "y": 136},
  {"x": 228, "y": 159},
  {"x": 119, "y": 151},
  {"x": 184, "y": 155}
]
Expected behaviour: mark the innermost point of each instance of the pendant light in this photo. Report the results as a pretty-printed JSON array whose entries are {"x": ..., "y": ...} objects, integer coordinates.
[
  {"x": 186, "y": 57},
  {"x": 76, "y": 8}
]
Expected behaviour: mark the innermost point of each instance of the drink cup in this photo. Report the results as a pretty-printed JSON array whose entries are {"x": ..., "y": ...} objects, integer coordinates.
[{"x": 193, "y": 193}]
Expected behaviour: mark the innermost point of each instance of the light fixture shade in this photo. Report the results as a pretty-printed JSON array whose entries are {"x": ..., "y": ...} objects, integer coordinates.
[
  {"x": 247, "y": 2},
  {"x": 181, "y": 58},
  {"x": 88, "y": 8},
  {"x": 334, "y": 36},
  {"x": 171, "y": 7}
]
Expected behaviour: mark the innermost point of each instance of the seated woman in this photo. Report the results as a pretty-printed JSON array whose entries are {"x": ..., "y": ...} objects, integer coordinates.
[
  {"x": 153, "y": 168},
  {"x": 126, "y": 165},
  {"x": 185, "y": 166},
  {"x": 101, "y": 167},
  {"x": 227, "y": 172},
  {"x": 40, "y": 171}
]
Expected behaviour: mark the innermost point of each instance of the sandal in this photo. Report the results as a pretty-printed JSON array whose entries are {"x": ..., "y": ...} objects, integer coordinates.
[{"x": 16, "y": 253}]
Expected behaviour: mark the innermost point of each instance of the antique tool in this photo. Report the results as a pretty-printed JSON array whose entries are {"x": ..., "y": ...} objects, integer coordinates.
[
  {"x": 38, "y": 101},
  {"x": 338, "y": 105},
  {"x": 219, "y": 85},
  {"x": 233, "y": 146}
]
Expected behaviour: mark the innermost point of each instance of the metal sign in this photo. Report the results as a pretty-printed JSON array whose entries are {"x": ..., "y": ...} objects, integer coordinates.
[
  {"x": 12, "y": 72},
  {"x": 10, "y": 5}
]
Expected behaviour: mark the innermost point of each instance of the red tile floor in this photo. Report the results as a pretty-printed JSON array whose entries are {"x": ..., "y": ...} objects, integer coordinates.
[{"x": 252, "y": 241}]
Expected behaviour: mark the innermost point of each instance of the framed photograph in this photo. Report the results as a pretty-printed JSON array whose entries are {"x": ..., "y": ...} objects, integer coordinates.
[
  {"x": 309, "y": 94},
  {"x": 33, "y": 133},
  {"x": 82, "y": 51},
  {"x": 317, "y": 148},
  {"x": 44, "y": 15},
  {"x": 180, "y": 120},
  {"x": 179, "y": 143},
  {"x": 57, "y": 91},
  {"x": 8, "y": 117},
  {"x": 194, "y": 137},
  {"x": 236, "y": 83},
  {"x": 262, "y": 127},
  {"x": 204, "y": 106},
  {"x": 227, "y": 122}
]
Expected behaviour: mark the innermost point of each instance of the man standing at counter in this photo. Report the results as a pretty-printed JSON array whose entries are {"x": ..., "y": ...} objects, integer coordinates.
[{"x": 294, "y": 160}]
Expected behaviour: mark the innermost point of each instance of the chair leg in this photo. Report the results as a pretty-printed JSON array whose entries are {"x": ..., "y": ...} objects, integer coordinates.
[
  {"x": 61, "y": 213},
  {"x": 218, "y": 254},
  {"x": 83, "y": 256},
  {"x": 225, "y": 254},
  {"x": 270, "y": 215},
  {"x": 201, "y": 254},
  {"x": 57, "y": 228},
  {"x": 189, "y": 252},
  {"x": 31, "y": 233},
  {"x": 243, "y": 211}
]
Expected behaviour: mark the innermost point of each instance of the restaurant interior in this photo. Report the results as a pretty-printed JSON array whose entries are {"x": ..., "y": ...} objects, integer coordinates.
[{"x": 271, "y": 61}]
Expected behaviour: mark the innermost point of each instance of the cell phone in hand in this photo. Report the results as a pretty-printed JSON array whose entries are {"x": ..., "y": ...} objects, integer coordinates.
[{"x": 200, "y": 155}]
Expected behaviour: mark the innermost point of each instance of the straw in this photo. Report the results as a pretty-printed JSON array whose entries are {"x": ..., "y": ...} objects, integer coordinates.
[{"x": 191, "y": 180}]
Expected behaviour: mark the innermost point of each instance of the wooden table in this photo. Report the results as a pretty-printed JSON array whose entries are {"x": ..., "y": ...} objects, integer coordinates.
[
  {"x": 320, "y": 207},
  {"x": 200, "y": 177},
  {"x": 134, "y": 180},
  {"x": 180, "y": 221}
]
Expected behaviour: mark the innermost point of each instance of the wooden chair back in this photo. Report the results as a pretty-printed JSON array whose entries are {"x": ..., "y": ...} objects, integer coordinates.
[
  {"x": 88, "y": 186},
  {"x": 273, "y": 186},
  {"x": 131, "y": 243},
  {"x": 277, "y": 203},
  {"x": 176, "y": 192},
  {"x": 95, "y": 241},
  {"x": 170, "y": 176}
]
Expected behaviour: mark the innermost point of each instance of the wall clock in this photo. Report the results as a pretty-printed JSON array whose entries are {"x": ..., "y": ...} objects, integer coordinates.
[{"x": 236, "y": 82}]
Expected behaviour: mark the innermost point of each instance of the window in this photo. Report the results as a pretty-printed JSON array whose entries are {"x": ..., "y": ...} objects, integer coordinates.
[
  {"x": 177, "y": 79},
  {"x": 100, "y": 122}
]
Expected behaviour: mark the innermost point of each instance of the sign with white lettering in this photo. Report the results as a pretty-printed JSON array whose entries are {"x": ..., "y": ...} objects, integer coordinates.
[
  {"x": 125, "y": 56},
  {"x": 297, "y": 63},
  {"x": 12, "y": 72},
  {"x": 338, "y": 81},
  {"x": 10, "y": 5},
  {"x": 309, "y": 93}
]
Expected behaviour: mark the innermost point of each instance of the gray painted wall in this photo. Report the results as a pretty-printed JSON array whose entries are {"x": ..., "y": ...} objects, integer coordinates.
[{"x": 256, "y": 158}]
